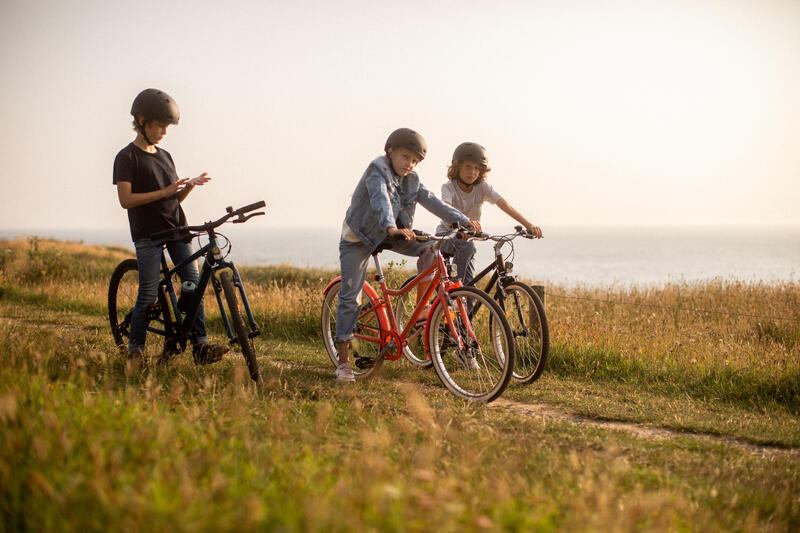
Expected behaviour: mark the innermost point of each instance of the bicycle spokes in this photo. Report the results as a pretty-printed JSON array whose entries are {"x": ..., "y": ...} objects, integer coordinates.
[{"x": 473, "y": 355}]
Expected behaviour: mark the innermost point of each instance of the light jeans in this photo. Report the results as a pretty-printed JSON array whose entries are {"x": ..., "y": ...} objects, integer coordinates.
[
  {"x": 463, "y": 253},
  {"x": 148, "y": 257},
  {"x": 353, "y": 258}
]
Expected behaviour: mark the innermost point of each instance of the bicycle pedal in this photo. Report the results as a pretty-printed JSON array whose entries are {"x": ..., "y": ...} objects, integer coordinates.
[{"x": 364, "y": 363}]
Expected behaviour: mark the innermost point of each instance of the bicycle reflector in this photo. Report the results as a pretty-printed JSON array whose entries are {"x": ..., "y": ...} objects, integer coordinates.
[
  {"x": 509, "y": 266},
  {"x": 216, "y": 253},
  {"x": 452, "y": 270}
]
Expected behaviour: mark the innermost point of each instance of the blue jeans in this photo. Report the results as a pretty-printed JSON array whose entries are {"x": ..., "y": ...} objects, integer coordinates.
[
  {"x": 463, "y": 253},
  {"x": 148, "y": 257},
  {"x": 353, "y": 258}
]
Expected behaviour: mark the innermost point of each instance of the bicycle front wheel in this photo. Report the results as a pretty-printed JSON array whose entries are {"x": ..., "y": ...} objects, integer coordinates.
[
  {"x": 123, "y": 290},
  {"x": 239, "y": 327},
  {"x": 365, "y": 348},
  {"x": 528, "y": 322},
  {"x": 481, "y": 367}
]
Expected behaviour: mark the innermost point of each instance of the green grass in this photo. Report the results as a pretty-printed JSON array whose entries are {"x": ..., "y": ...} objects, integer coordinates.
[{"x": 83, "y": 447}]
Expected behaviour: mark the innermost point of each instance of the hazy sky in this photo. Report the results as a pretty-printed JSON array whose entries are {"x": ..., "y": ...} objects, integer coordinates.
[{"x": 615, "y": 112}]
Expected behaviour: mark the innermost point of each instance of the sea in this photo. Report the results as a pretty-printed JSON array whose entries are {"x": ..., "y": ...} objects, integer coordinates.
[{"x": 566, "y": 256}]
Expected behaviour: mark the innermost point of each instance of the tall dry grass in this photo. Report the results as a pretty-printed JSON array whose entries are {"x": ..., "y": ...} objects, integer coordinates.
[{"x": 186, "y": 448}]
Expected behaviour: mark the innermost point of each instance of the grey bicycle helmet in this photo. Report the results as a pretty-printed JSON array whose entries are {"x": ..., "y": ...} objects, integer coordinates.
[
  {"x": 153, "y": 104},
  {"x": 407, "y": 138},
  {"x": 471, "y": 152}
]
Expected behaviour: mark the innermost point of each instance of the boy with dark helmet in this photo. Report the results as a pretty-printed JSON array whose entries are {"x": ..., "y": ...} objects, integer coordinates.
[
  {"x": 149, "y": 188},
  {"x": 382, "y": 206}
]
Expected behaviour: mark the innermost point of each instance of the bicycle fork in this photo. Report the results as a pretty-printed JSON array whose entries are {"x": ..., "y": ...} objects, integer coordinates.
[
  {"x": 465, "y": 322},
  {"x": 239, "y": 286}
]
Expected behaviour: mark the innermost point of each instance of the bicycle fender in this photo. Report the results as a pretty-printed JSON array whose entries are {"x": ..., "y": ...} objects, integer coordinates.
[
  {"x": 373, "y": 296},
  {"x": 331, "y": 284}
]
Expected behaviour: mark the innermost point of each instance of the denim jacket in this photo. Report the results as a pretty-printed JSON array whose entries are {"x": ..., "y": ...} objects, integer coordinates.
[{"x": 382, "y": 201}]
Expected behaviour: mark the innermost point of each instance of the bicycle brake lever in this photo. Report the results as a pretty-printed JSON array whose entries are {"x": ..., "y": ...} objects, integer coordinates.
[{"x": 245, "y": 218}]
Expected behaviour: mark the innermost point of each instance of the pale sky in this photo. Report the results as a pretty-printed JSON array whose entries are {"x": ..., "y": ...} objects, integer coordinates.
[{"x": 593, "y": 113}]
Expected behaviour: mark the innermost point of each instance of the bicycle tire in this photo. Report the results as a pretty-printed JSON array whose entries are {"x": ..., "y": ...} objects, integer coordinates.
[
  {"x": 365, "y": 355},
  {"x": 123, "y": 290},
  {"x": 492, "y": 352},
  {"x": 243, "y": 338},
  {"x": 526, "y": 317},
  {"x": 414, "y": 349}
]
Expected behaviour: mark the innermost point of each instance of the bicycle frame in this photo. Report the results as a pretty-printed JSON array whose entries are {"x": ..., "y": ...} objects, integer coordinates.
[
  {"x": 499, "y": 272},
  {"x": 389, "y": 331},
  {"x": 182, "y": 325}
]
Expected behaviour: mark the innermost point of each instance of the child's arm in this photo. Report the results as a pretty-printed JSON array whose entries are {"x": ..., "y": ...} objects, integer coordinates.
[
  {"x": 516, "y": 215},
  {"x": 379, "y": 199},
  {"x": 429, "y": 201},
  {"x": 128, "y": 199}
]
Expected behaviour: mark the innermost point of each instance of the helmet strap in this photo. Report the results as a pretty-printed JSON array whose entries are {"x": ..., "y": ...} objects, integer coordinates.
[{"x": 142, "y": 130}]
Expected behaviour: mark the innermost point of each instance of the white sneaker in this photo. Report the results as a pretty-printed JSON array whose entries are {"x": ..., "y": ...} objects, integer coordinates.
[
  {"x": 468, "y": 360},
  {"x": 345, "y": 373}
]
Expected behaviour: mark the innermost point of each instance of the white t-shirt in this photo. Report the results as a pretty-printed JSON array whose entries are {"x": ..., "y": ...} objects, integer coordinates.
[
  {"x": 347, "y": 233},
  {"x": 468, "y": 203}
]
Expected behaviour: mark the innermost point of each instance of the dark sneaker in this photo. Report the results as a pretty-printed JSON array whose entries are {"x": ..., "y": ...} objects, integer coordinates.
[
  {"x": 134, "y": 363},
  {"x": 205, "y": 354}
]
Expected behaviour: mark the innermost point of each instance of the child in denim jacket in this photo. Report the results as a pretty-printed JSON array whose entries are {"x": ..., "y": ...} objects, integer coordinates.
[{"x": 383, "y": 206}]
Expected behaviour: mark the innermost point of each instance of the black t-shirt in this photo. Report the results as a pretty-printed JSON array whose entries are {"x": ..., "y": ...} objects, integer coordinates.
[{"x": 149, "y": 172}]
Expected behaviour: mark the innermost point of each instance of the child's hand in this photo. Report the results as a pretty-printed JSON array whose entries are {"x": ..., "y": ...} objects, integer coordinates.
[
  {"x": 405, "y": 234},
  {"x": 202, "y": 179},
  {"x": 474, "y": 224},
  {"x": 536, "y": 231},
  {"x": 173, "y": 188}
]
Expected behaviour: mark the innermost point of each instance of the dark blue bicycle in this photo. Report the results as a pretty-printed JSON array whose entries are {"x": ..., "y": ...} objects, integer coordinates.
[{"x": 174, "y": 322}]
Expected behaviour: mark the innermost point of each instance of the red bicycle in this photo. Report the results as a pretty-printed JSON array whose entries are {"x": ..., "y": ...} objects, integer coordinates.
[{"x": 466, "y": 334}]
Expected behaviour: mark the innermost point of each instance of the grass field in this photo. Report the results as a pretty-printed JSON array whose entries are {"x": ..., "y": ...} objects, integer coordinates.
[{"x": 673, "y": 408}]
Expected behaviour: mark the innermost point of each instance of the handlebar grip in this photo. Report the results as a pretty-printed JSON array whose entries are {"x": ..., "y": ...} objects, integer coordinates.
[{"x": 251, "y": 207}]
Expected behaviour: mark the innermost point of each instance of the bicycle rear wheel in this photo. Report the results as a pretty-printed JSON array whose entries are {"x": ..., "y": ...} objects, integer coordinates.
[
  {"x": 240, "y": 328},
  {"x": 528, "y": 322},
  {"x": 480, "y": 371},
  {"x": 365, "y": 348},
  {"x": 414, "y": 350},
  {"x": 123, "y": 290}
]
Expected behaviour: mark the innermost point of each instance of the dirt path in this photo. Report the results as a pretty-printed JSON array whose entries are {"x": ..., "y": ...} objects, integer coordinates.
[{"x": 545, "y": 411}]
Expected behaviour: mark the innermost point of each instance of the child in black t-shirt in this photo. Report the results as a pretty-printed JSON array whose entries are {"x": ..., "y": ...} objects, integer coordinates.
[{"x": 149, "y": 188}]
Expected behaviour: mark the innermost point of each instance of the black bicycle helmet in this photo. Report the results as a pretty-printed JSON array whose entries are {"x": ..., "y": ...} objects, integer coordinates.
[
  {"x": 407, "y": 138},
  {"x": 153, "y": 104},
  {"x": 471, "y": 152}
]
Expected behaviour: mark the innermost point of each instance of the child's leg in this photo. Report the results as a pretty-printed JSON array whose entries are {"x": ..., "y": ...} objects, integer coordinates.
[
  {"x": 463, "y": 256},
  {"x": 353, "y": 257},
  {"x": 148, "y": 258},
  {"x": 179, "y": 252}
]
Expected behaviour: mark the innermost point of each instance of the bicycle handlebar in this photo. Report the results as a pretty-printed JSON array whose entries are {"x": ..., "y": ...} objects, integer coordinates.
[
  {"x": 508, "y": 237},
  {"x": 183, "y": 232}
]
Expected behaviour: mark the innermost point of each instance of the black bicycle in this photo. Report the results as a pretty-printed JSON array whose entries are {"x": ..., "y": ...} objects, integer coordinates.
[
  {"x": 521, "y": 305},
  {"x": 165, "y": 315}
]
